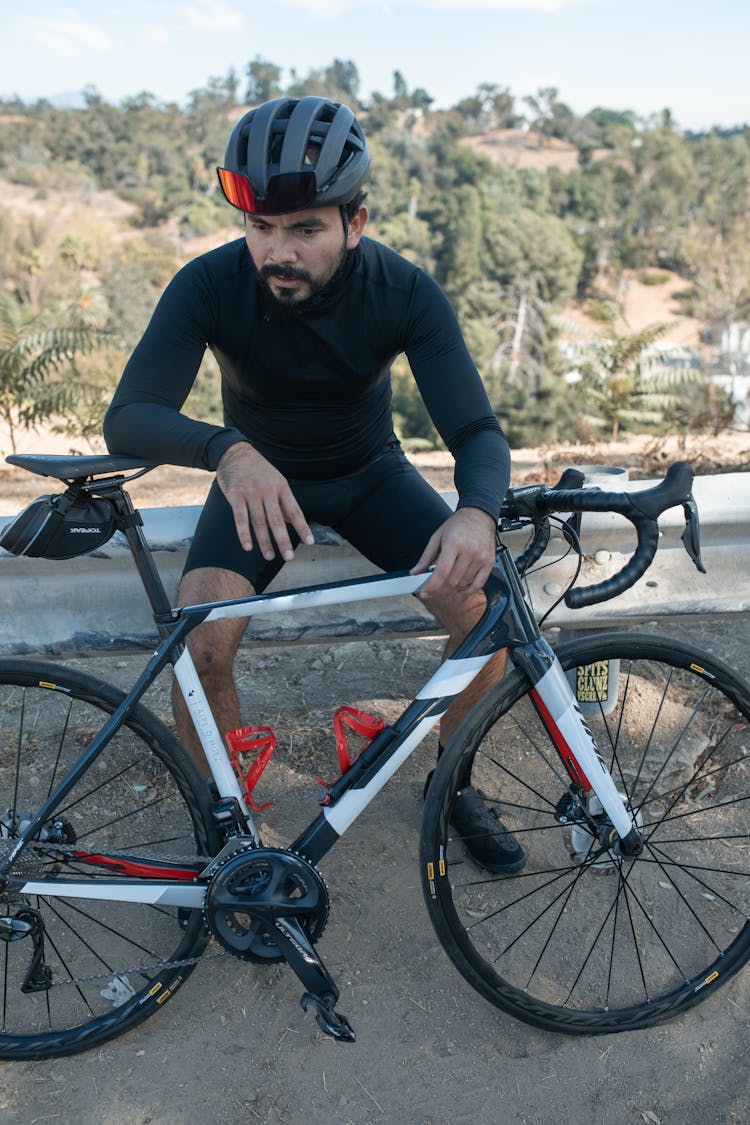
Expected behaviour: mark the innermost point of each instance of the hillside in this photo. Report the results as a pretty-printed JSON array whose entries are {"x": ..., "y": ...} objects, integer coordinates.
[
  {"x": 518, "y": 148},
  {"x": 642, "y": 303}
]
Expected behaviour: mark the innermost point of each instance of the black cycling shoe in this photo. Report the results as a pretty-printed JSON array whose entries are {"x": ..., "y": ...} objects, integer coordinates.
[{"x": 482, "y": 832}]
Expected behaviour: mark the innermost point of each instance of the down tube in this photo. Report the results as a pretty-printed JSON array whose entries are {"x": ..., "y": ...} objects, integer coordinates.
[{"x": 391, "y": 749}]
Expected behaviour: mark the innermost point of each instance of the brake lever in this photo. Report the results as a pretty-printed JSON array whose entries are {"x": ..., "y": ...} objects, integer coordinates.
[
  {"x": 691, "y": 536},
  {"x": 571, "y": 529}
]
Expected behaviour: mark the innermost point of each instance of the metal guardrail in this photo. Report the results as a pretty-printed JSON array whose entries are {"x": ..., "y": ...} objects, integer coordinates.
[{"x": 96, "y": 603}]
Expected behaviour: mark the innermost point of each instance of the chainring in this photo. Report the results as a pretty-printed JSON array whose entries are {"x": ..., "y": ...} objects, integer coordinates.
[{"x": 253, "y": 886}]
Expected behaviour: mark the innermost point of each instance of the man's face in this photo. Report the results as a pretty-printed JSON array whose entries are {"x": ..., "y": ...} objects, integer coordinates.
[{"x": 298, "y": 254}]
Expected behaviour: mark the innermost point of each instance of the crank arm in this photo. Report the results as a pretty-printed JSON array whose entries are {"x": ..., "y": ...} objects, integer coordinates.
[{"x": 320, "y": 989}]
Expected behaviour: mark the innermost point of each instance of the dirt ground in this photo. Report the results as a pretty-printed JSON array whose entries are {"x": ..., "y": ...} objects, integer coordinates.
[{"x": 234, "y": 1045}]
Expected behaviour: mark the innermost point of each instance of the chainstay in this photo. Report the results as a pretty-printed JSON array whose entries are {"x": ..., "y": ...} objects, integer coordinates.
[{"x": 29, "y": 867}]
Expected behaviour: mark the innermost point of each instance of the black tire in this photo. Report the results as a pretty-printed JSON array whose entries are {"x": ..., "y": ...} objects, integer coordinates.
[
  {"x": 582, "y": 940},
  {"x": 108, "y": 963}
]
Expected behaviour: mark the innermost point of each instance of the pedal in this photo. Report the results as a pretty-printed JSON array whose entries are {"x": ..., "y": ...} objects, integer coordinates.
[{"x": 329, "y": 1021}]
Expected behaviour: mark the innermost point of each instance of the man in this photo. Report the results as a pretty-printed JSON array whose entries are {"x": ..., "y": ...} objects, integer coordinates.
[{"x": 305, "y": 316}]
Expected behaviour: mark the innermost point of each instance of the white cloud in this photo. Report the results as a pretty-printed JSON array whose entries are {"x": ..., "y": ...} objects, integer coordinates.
[
  {"x": 212, "y": 15},
  {"x": 500, "y": 5},
  {"x": 327, "y": 8},
  {"x": 158, "y": 35},
  {"x": 70, "y": 37}
]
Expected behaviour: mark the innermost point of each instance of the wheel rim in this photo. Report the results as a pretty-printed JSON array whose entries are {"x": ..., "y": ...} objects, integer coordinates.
[
  {"x": 109, "y": 963},
  {"x": 587, "y": 938}
]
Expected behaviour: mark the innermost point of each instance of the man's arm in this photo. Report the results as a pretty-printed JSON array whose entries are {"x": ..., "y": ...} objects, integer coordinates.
[
  {"x": 144, "y": 417},
  {"x": 463, "y": 549}
]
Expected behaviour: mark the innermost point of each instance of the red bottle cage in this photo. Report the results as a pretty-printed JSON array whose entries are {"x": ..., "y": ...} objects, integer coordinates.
[
  {"x": 260, "y": 741},
  {"x": 367, "y": 726}
]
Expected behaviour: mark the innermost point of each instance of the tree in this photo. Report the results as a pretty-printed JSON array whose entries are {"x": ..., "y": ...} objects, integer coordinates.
[
  {"x": 624, "y": 384},
  {"x": 38, "y": 376},
  {"x": 549, "y": 115},
  {"x": 339, "y": 81},
  {"x": 491, "y": 107},
  {"x": 400, "y": 89},
  {"x": 263, "y": 81}
]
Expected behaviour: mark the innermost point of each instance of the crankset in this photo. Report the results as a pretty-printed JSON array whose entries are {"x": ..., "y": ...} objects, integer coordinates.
[
  {"x": 267, "y": 905},
  {"x": 252, "y": 888}
]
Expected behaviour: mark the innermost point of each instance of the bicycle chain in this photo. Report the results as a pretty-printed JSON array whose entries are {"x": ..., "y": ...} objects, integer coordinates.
[
  {"x": 28, "y": 868},
  {"x": 140, "y": 969}
]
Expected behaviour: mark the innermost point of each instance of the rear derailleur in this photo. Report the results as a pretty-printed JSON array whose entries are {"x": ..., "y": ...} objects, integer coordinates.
[{"x": 27, "y": 923}]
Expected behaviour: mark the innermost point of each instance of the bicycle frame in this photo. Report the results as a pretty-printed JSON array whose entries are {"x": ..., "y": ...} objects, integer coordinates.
[{"x": 507, "y": 623}]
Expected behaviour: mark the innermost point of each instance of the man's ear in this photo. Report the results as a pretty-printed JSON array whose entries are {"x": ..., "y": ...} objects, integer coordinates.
[{"x": 357, "y": 225}]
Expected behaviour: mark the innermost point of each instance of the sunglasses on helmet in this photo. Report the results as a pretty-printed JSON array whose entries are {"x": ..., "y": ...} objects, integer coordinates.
[{"x": 286, "y": 191}]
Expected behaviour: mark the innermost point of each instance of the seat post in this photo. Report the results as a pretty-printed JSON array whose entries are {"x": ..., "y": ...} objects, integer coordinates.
[{"x": 132, "y": 528}]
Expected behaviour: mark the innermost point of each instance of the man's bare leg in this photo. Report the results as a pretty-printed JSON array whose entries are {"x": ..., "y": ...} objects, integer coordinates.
[
  {"x": 213, "y": 647},
  {"x": 485, "y": 836},
  {"x": 458, "y": 615}
]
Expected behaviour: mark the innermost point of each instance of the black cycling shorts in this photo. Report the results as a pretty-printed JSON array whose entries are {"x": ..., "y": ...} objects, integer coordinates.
[{"x": 385, "y": 509}]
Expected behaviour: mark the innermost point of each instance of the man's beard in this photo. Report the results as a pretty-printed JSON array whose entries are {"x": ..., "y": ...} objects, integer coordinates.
[{"x": 319, "y": 290}]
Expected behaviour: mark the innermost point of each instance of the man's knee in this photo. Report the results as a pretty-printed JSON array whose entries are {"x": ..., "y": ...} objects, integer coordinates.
[
  {"x": 457, "y": 612},
  {"x": 213, "y": 644}
]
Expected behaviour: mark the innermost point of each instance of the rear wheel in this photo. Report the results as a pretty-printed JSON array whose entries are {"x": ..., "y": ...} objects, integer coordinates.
[
  {"x": 75, "y": 972},
  {"x": 584, "y": 939}
]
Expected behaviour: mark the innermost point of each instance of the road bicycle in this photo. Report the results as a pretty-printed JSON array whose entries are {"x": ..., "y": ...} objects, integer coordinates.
[{"x": 618, "y": 761}]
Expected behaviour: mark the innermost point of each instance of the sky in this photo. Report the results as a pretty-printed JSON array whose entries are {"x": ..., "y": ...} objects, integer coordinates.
[{"x": 690, "y": 56}]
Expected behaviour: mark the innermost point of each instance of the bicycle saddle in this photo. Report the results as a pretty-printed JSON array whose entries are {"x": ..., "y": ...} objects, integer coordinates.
[{"x": 78, "y": 468}]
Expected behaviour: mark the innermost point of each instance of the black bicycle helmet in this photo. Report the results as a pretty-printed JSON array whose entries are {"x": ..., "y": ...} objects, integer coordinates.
[{"x": 286, "y": 137}]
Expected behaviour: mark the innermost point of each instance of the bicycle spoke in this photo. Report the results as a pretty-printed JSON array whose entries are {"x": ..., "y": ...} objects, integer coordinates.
[
  {"x": 135, "y": 806},
  {"x": 584, "y": 937}
]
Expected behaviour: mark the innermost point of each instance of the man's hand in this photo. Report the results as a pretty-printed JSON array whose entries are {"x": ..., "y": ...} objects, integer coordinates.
[
  {"x": 462, "y": 551},
  {"x": 262, "y": 502}
]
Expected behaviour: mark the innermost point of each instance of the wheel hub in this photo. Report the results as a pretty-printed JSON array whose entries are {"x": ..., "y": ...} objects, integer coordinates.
[{"x": 591, "y": 829}]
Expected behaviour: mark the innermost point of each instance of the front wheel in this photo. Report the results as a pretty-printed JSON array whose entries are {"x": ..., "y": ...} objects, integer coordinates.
[
  {"x": 76, "y": 972},
  {"x": 583, "y": 939}
]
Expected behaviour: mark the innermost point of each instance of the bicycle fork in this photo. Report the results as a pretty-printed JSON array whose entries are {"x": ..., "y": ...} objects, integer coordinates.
[{"x": 565, "y": 724}]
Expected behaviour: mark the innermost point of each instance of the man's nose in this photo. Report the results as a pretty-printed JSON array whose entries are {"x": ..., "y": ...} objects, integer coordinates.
[{"x": 282, "y": 249}]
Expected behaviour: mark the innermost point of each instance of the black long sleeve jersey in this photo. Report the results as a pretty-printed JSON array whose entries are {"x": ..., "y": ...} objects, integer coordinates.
[{"x": 310, "y": 391}]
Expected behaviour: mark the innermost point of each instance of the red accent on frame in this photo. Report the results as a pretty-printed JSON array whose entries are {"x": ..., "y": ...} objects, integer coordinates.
[
  {"x": 248, "y": 740},
  {"x": 138, "y": 868},
  {"x": 567, "y": 755}
]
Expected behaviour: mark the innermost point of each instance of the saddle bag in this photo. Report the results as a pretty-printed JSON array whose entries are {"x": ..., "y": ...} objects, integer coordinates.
[{"x": 62, "y": 526}]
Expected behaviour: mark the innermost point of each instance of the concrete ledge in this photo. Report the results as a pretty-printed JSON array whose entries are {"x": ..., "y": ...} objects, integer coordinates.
[{"x": 96, "y": 603}]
